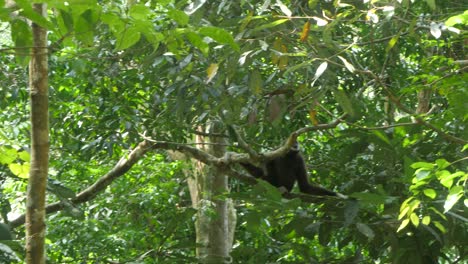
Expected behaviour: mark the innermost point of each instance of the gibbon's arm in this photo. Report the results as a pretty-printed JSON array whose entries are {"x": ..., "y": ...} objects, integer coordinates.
[{"x": 305, "y": 186}]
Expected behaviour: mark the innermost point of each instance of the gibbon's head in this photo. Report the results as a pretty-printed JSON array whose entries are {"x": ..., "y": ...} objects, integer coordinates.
[{"x": 295, "y": 147}]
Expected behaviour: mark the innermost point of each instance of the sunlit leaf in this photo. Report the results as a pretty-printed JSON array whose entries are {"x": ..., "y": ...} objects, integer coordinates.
[
  {"x": 458, "y": 19},
  {"x": 270, "y": 25},
  {"x": 442, "y": 164},
  {"x": 20, "y": 170},
  {"x": 348, "y": 65},
  {"x": 320, "y": 21},
  {"x": 403, "y": 212},
  {"x": 392, "y": 42},
  {"x": 422, "y": 174},
  {"x": 424, "y": 165},
  {"x": 321, "y": 69},
  {"x": 431, "y": 193},
  {"x": 220, "y": 35},
  {"x": 7, "y": 155},
  {"x": 440, "y": 226},
  {"x": 403, "y": 224},
  {"x": 426, "y": 220},
  {"x": 179, "y": 16},
  {"x": 127, "y": 38},
  {"x": 139, "y": 12},
  {"x": 452, "y": 198},
  {"x": 284, "y": 8},
  {"x": 414, "y": 219},
  {"x": 211, "y": 72}
]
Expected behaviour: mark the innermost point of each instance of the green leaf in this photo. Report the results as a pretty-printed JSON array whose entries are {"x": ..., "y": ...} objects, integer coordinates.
[
  {"x": 270, "y": 25},
  {"x": 403, "y": 211},
  {"x": 220, "y": 35},
  {"x": 459, "y": 19},
  {"x": 392, "y": 42},
  {"x": 256, "y": 82},
  {"x": 431, "y": 193},
  {"x": 371, "y": 198},
  {"x": 404, "y": 223},
  {"x": 20, "y": 170},
  {"x": 342, "y": 98},
  {"x": 447, "y": 179},
  {"x": 414, "y": 219},
  {"x": 179, "y": 16},
  {"x": 440, "y": 227},
  {"x": 426, "y": 220},
  {"x": 424, "y": 165},
  {"x": 198, "y": 42},
  {"x": 442, "y": 164},
  {"x": 7, "y": 155},
  {"x": 422, "y": 174},
  {"x": 452, "y": 198},
  {"x": 128, "y": 38},
  {"x": 24, "y": 156},
  {"x": 22, "y": 37},
  {"x": 431, "y": 4},
  {"x": 139, "y": 12}
]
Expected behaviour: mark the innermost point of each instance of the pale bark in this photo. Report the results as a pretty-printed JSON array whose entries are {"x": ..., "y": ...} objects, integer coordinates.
[
  {"x": 216, "y": 217},
  {"x": 36, "y": 193}
]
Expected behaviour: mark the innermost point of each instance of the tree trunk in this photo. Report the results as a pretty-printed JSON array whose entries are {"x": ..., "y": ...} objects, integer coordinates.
[
  {"x": 216, "y": 216},
  {"x": 38, "y": 84}
]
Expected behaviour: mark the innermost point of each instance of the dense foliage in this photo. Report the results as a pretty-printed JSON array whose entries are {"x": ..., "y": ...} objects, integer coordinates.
[{"x": 393, "y": 74}]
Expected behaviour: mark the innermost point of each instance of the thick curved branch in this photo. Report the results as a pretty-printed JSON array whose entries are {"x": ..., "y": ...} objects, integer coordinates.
[{"x": 124, "y": 165}]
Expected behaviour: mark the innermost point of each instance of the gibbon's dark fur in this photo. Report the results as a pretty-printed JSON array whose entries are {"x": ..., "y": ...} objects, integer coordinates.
[{"x": 285, "y": 171}]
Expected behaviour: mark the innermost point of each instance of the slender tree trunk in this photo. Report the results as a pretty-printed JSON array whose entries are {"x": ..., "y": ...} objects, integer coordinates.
[
  {"x": 38, "y": 84},
  {"x": 216, "y": 217}
]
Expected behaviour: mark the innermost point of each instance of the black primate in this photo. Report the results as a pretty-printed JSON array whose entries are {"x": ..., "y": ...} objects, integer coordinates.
[{"x": 285, "y": 171}]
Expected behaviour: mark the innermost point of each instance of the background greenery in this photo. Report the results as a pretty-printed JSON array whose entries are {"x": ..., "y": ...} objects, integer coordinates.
[{"x": 121, "y": 69}]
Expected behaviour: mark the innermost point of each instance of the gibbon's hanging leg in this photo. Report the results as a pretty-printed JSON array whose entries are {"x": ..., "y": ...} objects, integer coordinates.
[{"x": 285, "y": 171}]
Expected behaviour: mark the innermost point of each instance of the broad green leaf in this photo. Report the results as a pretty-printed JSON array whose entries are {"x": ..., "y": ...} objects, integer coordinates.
[
  {"x": 452, "y": 198},
  {"x": 431, "y": 193},
  {"x": 20, "y": 170},
  {"x": 403, "y": 212},
  {"x": 403, "y": 224},
  {"x": 447, "y": 179},
  {"x": 426, "y": 220},
  {"x": 127, "y": 38},
  {"x": 431, "y": 4},
  {"x": 459, "y": 19},
  {"x": 414, "y": 219},
  {"x": 24, "y": 156},
  {"x": 220, "y": 35},
  {"x": 7, "y": 155},
  {"x": 139, "y": 12},
  {"x": 345, "y": 102},
  {"x": 424, "y": 165},
  {"x": 256, "y": 82},
  {"x": 442, "y": 164},
  {"x": 365, "y": 230},
  {"x": 198, "y": 42},
  {"x": 179, "y": 16},
  {"x": 422, "y": 174},
  {"x": 22, "y": 37}
]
